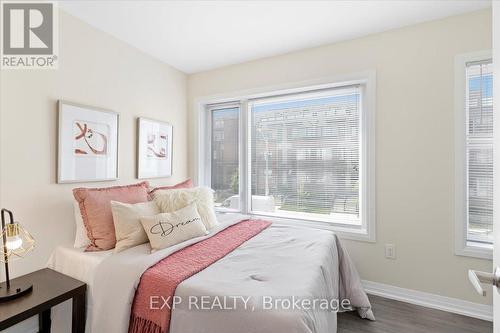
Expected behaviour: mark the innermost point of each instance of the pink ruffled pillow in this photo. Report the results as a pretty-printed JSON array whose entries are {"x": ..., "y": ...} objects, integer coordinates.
[
  {"x": 96, "y": 213},
  {"x": 188, "y": 183}
]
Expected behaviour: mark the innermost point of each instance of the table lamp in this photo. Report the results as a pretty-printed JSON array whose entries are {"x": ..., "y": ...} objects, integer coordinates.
[{"x": 17, "y": 242}]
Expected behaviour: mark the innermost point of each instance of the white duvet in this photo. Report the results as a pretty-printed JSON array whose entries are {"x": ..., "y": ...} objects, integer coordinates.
[{"x": 279, "y": 263}]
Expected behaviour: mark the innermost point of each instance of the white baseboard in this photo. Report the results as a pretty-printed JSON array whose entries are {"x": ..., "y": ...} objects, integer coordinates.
[{"x": 454, "y": 305}]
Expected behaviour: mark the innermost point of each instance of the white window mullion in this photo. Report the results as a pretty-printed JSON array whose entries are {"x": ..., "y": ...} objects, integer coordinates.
[{"x": 245, "y": 179}]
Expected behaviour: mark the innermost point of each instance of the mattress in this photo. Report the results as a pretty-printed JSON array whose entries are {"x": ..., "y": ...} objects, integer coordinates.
[{"x": 77, "y": 263}]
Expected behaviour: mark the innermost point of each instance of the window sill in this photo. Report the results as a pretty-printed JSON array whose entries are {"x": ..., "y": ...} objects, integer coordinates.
[
  {"x": 475, "y": 251},
  {"x": 351, "y": 232},
  {"x": 342, "y": 220}
]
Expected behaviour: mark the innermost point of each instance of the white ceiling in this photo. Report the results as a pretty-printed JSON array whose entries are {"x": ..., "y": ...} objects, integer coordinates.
[{"x": 195, "y": 36}]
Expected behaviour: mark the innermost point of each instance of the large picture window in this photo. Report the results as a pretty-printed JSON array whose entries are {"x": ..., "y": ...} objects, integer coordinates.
[
  {"x": 305, "y": 153},
  {"x": 302, "y": 157}
]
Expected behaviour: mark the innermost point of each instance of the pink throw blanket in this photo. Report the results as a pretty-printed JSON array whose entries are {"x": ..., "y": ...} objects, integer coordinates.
[{"x": 163, "y": 278}]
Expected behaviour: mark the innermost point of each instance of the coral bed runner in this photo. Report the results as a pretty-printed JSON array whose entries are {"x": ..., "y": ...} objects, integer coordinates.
[{"x": 163, "y": 278}]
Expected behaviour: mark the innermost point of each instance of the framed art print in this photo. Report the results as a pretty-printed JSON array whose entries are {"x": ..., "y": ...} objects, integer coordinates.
[
  {"x": 87, "y": 144},
  {"x": 154, "y": 149}
]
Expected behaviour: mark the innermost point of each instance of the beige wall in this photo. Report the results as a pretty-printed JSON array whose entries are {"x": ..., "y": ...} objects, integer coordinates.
[
  {"x": 414, "y": 141},
  {"x": 95, "y": 69}
]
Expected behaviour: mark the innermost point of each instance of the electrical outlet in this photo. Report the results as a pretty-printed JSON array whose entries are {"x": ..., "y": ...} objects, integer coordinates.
[{"x": 390, "y": 251}]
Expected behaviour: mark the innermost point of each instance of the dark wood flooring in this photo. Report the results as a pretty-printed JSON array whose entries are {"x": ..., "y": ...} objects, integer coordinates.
[{"x": 398, "y": 317}]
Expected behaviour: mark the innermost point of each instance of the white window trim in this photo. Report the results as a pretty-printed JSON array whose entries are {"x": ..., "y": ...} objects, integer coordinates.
[
  {"x": 366, "y": 79},
  {"x": 462, "y": 247}
]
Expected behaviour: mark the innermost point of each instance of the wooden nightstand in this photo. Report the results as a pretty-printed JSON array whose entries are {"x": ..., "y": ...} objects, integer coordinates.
[{"x": 49, "y": 289}]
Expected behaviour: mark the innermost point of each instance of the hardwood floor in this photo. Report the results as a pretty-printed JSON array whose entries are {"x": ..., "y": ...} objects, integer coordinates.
[{"x": 398, "y": 317}]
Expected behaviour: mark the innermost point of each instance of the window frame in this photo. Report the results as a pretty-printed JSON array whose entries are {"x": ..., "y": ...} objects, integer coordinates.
[
  {"x": 463, "y": 247},
  {"x": 365, "y": 80}
]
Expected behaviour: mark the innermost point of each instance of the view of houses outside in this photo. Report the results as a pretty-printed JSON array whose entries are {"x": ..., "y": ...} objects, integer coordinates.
[{"x": 304, "y": 157}]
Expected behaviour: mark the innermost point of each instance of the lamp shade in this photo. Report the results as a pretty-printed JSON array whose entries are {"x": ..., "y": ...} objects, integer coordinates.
[{"x": 17, "y": 242}]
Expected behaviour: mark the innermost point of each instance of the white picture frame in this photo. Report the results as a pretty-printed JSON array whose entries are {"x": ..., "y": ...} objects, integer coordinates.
[
  {"x": 154, "y": 148},
  {"x": 87, "y": 144}
]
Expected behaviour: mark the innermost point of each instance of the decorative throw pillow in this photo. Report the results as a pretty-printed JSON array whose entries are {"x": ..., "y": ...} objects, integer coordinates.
[
  {"x": 81, "y": 238},
  {"x": 128, "y": 228},
  {"x": 188, "y": 183},
  {"x": 203, "y": 197},
  {"x": 167, "y": 229},
  {"x": 96, "y": 211}
]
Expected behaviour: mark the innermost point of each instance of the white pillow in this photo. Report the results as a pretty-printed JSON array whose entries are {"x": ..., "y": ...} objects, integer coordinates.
[
  {"x": 81, "y": 238},
  {"x": 172, "y": 200},
  {"x": 128, "y": 228},
  {"x": 167, "y": 229}
]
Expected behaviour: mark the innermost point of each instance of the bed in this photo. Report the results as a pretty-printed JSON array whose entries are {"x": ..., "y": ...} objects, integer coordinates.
[{"x": 281, "y": 262}]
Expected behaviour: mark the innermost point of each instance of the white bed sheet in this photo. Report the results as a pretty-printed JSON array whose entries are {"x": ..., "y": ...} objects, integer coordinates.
[
  {"x": 77, "y": 263},
  {"x": 82, "y": 266}
]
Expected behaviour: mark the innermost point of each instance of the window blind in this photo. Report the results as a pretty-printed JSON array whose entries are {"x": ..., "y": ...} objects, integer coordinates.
[
  {"x": 479, "y": 146},
  {"x": 305, "y": 155}
]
